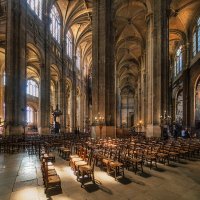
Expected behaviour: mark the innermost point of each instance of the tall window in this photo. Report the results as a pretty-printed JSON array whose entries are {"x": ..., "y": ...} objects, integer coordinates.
[
  {"x": 32, "y": 88},
  {"x": 78, "y": 58},
  {"x": 69, "y": 44},
  {"x": 36, "y": 6},
  {"x": 29, "y": 115},
  {"x": 178, "y": 67},
  {"x": 196, "y": 38},
  {"x": 55, "y": 23}
]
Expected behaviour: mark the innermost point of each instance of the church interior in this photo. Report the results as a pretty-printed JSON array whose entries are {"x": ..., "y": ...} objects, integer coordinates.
[{"x": 99, "y": 99}]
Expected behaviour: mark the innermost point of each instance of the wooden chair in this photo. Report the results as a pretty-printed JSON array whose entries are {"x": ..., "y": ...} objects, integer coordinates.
[
  {"x": 52, "y": 182},
  {"x": 150, "y": 158},
  {"x": 117, "y": 168},
  {"x": 135, "y": 161},
  {"x": 86, "y": 172}
]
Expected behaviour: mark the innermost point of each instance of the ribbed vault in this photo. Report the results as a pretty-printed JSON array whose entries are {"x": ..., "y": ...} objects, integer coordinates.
[
  {"x": 182, "y": 17},
  {"x": 130, "y": 41},
  {"x": 77, "y": 16}
]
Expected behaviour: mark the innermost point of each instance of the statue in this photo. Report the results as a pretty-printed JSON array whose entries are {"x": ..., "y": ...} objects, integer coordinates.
[{"x": 56, "y": 125}]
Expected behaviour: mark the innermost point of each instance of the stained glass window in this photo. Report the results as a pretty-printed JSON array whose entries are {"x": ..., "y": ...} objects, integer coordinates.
[
  {"x": 55, "y": 23},
  {"x": 196, "y": 38},
  {"x": 178, "y": 65},
  {"x": 32, "y": 88},
  {"x": 194, "y": 44},
  {"x": 69, "y": 44},
  {"x": 36, "y": 6}
]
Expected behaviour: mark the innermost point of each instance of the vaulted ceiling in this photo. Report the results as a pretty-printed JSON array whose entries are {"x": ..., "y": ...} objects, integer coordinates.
[
  {"x": 130, "y": 33},
  {"x": 77, "y": 18},
  {"x": 182, "y": 18},
  {"x": 130, "y": 41}
]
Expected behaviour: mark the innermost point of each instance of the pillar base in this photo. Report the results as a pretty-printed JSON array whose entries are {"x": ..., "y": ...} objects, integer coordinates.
[
  {"x": 107, "y": 131},
  {"x": 153, "y": 131},
  {"x": 44, "y": 130},
  {"x": 14, "y": 130}
]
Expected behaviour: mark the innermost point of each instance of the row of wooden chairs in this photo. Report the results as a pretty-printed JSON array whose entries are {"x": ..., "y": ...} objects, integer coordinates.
[
  {"x": 134, "y": 154},
  {"x": 82, "y": 163},
  {"x": 50, "y": 177}
]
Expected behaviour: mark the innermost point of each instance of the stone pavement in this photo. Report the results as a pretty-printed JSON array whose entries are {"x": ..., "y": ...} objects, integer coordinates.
[{"x": 21, "y": 179}]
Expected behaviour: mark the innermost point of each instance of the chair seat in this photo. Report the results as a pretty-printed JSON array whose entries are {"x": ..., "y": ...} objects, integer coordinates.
[
  {"x": 76, "y": 159},
  {"x": 52, "y": 172},
  {"x": 115, "y": 164},
  {"x": 74, "y": 156},
  {"x": 136, "y": 160},
  {"x": 66, "y": 150},
  {"x": 80, "y": 163},
  {"x": 85, "y": 168},
  {"x": 49, "y": 163},
  {"x": 162, "y": 155},
  {"x": 51, "y": 168},
  {"x": 54, "y": 179},
  {"x": 51, "y": 155},
  {"x": 173, "y": 153},
  {"x": 106, "y": 161}
]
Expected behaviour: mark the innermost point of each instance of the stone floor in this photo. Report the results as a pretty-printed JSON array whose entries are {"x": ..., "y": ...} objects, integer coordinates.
[{"x": 21, "y": 179}]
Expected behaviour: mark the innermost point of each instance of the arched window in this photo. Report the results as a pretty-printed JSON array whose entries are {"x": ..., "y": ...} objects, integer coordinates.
[
  {"x": 29, "y": 115},
  {"x": 78, "y": 58},
  {"x": 69, "y": 44},
  {"x": 196, "y": 38},
  {"x": 55, "y": 23},
  {"x": 178, "y": 62},
  {"x": 32, "y": 88},
  {"x": 36, "y": 6}
]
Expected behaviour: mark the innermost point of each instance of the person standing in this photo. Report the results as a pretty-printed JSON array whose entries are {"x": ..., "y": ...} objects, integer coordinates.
[{"x": 183, "y": 133}]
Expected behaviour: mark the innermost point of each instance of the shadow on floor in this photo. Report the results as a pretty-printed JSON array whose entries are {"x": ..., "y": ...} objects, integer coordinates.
[
  {"x": 145, "y": 175},
  {"x": 91, "y": 187},
  {"x": 173, "y": 165},
  {"x": 53, "y": 192},
  {"x": 125, "y": 180},
  {"x": 183, "y": 162},
  {"x": 159, "y": 169},
  {"x": 105, "y": 189}
]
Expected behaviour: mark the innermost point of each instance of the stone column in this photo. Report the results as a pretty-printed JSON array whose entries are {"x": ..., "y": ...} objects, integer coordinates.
[
  {"x": 186, "y": 86},
  {"x": 15, "y": 89},
  {"x": 62, "y": 104},
  {"x": 103, "y": 82},
  {"x": 157, "y": 56},
  {"x": 74, "y": 94},
  {"x": 44, "y": 103}
]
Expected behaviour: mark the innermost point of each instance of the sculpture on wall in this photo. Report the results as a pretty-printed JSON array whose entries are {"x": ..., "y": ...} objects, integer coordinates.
[{"x": 56, "y": 125}]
